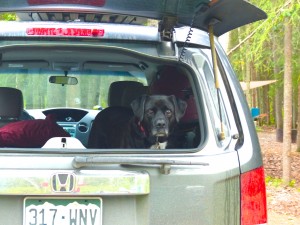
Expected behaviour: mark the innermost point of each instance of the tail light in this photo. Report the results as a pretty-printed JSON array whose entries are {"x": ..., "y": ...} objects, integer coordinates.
[
  {"x": 253, "y": 197},
  {"x": 59, "y": 31}
]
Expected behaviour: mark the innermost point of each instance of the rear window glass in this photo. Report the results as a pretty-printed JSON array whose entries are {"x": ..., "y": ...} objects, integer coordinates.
[
  {"x": 73, "y": 99},
  {"x": 90, "y": 92}
]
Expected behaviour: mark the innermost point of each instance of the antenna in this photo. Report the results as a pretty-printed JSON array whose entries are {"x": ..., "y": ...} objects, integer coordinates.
[{"x": 200, "y": 8}]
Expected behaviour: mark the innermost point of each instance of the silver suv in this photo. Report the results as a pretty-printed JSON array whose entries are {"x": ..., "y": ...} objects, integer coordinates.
[{"x": 125, "y": 112}]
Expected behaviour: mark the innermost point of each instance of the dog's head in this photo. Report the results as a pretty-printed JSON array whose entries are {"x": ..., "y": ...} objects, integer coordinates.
[{"x": 158, "y": 114}]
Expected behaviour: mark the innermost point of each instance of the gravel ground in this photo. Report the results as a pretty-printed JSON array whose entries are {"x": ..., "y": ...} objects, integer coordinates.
[
  {"x": 283, "y": 206},
  {"x": 283, "y": 202}
]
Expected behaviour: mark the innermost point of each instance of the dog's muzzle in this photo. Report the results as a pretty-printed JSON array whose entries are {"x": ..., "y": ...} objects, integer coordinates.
[{"x": 160, "y": 128}]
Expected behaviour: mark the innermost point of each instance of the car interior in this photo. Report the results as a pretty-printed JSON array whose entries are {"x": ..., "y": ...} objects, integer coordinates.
[
  {"x": 12, "y": 99},
  {"x": 79, "y": 122}
]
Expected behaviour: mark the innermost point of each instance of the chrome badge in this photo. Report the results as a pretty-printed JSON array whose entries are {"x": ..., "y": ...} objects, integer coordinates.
[{"x": 63, "y": 182}]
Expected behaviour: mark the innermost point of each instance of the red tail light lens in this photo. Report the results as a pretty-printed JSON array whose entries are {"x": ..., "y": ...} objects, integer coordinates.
[{"x": 253, "y": 197}]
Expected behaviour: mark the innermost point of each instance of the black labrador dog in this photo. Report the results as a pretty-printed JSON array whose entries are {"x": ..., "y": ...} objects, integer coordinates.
[{"x": 150, "y": 123}]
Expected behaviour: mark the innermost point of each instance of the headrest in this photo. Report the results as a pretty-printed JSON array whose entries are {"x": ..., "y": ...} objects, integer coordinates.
[
  {"x": 132, "y": 93},
  {"x": 11, "y": 102},
  {"x": 116, "y": 91},
  {"x": 172, "y": 81}
]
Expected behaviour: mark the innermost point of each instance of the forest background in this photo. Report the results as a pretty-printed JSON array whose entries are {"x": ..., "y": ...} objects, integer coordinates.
[{"x": 270, "y": 50}]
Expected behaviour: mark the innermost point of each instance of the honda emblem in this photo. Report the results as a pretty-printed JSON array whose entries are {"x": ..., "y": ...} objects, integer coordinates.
[{"x": 63, "y": 182}]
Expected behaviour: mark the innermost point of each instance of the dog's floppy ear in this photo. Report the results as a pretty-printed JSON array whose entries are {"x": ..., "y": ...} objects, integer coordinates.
[
  {"x": 138, "y": 106},
  {"x": 180, "y": 107}
]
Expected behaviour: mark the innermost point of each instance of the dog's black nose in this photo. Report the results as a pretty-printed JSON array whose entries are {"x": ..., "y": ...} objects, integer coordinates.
[{"x": 160, "y": 124}]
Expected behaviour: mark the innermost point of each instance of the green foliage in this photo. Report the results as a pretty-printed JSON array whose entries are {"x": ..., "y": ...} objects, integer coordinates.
[
  {"x": 258, "y": 128},
  {"x": 8, "y": 16},
  {"x": 265, "y": 48},
  {"x": 258, "y": 47},
  {"x": 278, "y": 182}
]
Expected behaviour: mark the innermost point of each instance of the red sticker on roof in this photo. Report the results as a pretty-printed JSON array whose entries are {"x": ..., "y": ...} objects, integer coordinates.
[
  {"x": 80, "y": 2},
  {"x": 72, "y": 32}
]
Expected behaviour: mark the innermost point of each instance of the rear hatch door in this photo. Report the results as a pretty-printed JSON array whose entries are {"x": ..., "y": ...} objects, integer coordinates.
[{"x": 195, "y": 13}]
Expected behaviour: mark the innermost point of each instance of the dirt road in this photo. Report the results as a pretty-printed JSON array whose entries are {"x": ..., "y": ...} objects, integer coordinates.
[{"x": 283, "y": 202}]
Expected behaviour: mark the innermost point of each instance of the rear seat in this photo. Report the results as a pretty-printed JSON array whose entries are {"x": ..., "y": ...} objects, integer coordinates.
[
  {"x": 116, "y": 91},
  {"x": 11, "y": 105},
  {"x": 15, "y": 132},
  {"x": 131, "y": 93},
  {"x": 171, "y": 81},
  {"x": 121, "y": 93}
]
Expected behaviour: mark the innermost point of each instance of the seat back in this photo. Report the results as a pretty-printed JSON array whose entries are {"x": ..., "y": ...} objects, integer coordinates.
[
  {"x": 11, "y": 105},
  {"x": 131, "y": 93},
  {"x": 108, "y": 126},
  {"x": 172, "y": 81},
  {"x": 116, "y": 91},
  {"x": 115, "y": 117}
]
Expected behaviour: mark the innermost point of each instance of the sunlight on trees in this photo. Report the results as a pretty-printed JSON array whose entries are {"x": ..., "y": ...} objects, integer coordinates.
[{"x": 259, "y": 49}]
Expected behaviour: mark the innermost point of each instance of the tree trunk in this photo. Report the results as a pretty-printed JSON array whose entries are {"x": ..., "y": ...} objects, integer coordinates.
[
  {"x": 266, "y": 103},
  {"x": 248, "y": 80},
  {"x": 279, "y": 92},
  {"x": 254, "y": 91},
  {"x": 298, "y": 123},
  {"x": 287, "y": 98}
]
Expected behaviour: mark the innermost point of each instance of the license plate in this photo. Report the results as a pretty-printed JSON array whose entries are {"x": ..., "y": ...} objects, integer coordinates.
[{"x": 61, "y": 211}]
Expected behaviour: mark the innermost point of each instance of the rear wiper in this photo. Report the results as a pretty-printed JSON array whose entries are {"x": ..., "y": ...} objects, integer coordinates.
[{"x": 83, "y": 161}]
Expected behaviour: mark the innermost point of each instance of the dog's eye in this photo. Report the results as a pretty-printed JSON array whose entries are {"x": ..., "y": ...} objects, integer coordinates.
[
  {"x": 150, "y": 112},
  {"x": 168, "y": 113}
]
